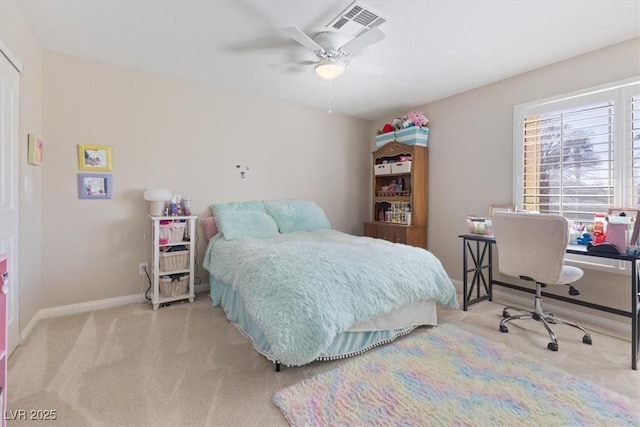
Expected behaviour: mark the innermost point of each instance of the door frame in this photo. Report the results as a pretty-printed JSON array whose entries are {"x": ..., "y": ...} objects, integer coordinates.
[
  {"x": 13, "y": 332},
  {"x": 11, "y": 57}
]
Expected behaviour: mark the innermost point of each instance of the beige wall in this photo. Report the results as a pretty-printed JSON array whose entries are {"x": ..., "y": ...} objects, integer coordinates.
[
  {"x": 21, "y": 41},
  {"x": 184, "y": 137},
  {"x": 471, "y": 151}
]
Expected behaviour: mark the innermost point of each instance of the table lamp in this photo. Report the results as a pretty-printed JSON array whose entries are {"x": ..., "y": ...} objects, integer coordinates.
[{"x": 157, "y": 197}]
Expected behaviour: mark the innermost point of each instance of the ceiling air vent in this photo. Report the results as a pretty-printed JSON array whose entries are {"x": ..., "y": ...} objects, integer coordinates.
[{"x": 356, "y": 19}]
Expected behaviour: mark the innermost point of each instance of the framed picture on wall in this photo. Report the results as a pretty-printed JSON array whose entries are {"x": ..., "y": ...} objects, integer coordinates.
[
  {"x": 94, "y": 158},
  {"x": 94, "y": 186},
  {"x": 35, "y": 147}
]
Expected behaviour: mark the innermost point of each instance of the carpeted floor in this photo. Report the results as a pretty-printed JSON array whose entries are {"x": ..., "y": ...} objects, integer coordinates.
[
  {"x": 184, "y": 365},
  {"x": 450, "y": 377}
]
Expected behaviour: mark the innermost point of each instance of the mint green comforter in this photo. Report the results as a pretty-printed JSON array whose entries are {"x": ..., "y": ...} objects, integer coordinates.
[{"x": 304, "y": 288}]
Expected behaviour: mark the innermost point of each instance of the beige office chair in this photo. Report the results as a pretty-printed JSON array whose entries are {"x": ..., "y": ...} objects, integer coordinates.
[{"x": 532, "y": 246}]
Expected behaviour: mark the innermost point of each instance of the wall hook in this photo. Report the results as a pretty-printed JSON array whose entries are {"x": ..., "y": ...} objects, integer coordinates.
[{"x": 243, "y": 170}]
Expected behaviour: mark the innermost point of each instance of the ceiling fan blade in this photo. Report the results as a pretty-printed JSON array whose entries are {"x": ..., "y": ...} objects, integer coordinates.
[
  {"x": 306, "y": 41},
  {"x": 363, "y": 40},
  {"x": 292, "y": 64}
]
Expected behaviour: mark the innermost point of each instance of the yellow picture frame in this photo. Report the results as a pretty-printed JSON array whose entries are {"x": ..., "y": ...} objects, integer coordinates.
[{"x": 95, "y": 158}]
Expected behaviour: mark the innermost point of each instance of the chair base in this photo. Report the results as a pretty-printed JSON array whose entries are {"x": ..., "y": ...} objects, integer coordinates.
[{"x": 545, "y": 317}]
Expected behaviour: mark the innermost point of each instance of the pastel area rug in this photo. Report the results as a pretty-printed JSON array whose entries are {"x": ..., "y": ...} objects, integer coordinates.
[{"x": 449, "y": 377}]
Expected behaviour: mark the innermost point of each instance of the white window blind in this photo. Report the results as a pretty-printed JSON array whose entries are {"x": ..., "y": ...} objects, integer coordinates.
[
  {"x": 635, "y": 149},
  {"x": 568, "y": 161}
]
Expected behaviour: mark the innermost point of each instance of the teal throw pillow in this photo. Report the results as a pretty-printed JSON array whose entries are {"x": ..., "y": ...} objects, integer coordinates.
[
  {"x": 297, "y": 215},
  {"x": 253, "y": 205},
  {"x": 235, "y": 224}
]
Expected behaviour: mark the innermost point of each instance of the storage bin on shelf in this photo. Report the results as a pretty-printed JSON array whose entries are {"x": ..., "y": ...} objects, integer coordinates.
[
  {"x": 171, "y": 287},
  {"x": 172, "y": 261},
  {"x": 401, "y": 167},
  {"x": 409, "y": 136},
  {"x": 382, "y": 169},
  {"x": 171, "y": 231}
]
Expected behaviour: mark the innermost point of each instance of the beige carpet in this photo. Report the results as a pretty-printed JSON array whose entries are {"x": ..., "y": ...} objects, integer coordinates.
[{"x": 184, "y": 365}]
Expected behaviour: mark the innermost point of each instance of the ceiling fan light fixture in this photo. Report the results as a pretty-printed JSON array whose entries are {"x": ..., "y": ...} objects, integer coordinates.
[{"x": 329, "y": 69}]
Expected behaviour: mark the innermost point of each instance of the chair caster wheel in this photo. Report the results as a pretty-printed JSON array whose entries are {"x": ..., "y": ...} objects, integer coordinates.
[
  {"x": 587, "y": 339},
  {"x": 553, "y": 346},
  {"x": 505, "y": 314},
  {"x": 504, "y": 328}
]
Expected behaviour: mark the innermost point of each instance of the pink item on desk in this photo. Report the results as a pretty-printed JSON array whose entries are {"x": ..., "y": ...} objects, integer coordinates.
[{"x": 617, "y": 236}]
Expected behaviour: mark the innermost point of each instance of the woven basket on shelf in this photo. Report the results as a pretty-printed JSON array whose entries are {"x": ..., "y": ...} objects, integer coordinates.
[
  {"x": 172, "y": 232},
  {"x": 174, "y": 287},
  {"x": 173, "y": 261}
]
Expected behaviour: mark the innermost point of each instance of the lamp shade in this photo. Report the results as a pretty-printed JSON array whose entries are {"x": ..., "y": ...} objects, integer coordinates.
[
  {"x": 157, "y": 197},
  {"x": 329, "y": 69}
]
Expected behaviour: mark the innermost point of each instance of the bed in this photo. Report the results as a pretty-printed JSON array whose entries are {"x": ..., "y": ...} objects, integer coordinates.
[{"x": 301, "y": 291}]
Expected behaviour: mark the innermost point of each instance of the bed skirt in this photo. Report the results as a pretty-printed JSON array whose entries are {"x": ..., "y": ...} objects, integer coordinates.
[{"x": 346, "y": 344}]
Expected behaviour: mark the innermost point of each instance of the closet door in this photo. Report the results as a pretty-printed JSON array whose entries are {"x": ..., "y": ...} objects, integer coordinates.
[{"x": 9, "y": 186}]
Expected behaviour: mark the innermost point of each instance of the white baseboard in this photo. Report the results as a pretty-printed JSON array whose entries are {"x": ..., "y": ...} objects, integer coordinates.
[
  {"x": 27, "y": 330},
  {"x": 619, "y": 328},
  {"x": 622, "y": 329},
  {"x": 65, "y": 310}
]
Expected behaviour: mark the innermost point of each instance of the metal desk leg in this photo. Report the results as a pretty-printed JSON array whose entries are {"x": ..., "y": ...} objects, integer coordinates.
[
  {"x": 634, "y": 315},
  {"x": 489, "y": 289},
  {"x": 482, "y": 258},
  {"x": 465, "y": 304}
]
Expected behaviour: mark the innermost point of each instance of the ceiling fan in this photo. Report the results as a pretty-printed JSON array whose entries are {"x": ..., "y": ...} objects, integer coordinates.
[{"x": 334, "y": 53}]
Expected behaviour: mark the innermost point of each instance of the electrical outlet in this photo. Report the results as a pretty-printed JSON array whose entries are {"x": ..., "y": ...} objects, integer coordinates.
[{"x": 142, "y": 267}]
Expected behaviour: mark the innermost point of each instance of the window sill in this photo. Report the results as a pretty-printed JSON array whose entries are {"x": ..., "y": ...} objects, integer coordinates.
[{"x": 601, "y": 264}]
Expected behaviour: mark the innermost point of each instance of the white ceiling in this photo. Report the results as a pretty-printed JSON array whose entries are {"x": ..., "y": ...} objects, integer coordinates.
[{"x": 432, "y": 49}]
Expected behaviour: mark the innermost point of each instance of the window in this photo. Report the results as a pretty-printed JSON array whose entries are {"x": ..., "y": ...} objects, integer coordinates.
[
  {"x": 635, "y": 146},
  {"x": 579, "y": 154}
]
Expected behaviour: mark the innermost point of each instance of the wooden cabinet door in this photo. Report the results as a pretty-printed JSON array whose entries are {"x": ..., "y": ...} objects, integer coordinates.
[
  {"x": 370, "y": 229},
  {"x": 390, "y": 233},
  {"x": 413, "y": 235},
  {"x": 386, "y": 232},
  {"x": 400, "y": 235},
  {"x": 416, "y": 236}
]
